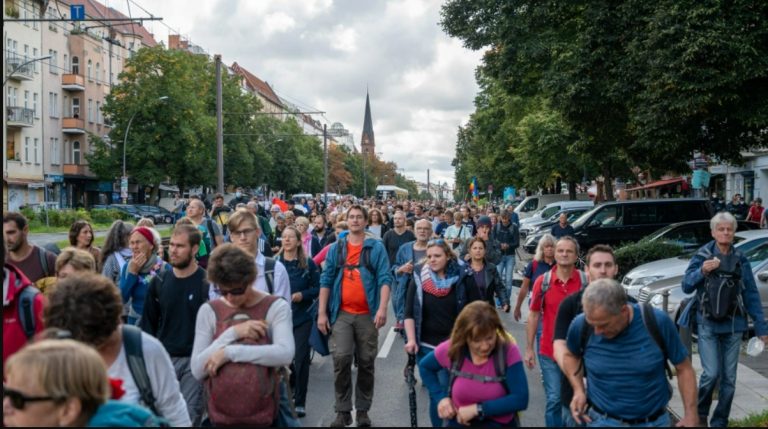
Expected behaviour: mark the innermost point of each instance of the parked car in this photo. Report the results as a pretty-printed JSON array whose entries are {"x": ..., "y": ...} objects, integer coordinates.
[
  {"x": 533, "y": 227},
  {"x": 131, "y": 210},
  {"x": 693, "y": 234},
  {"x": 662, "y": 269},
  {"x": 160, "y": 214},
  {"x": 531, "y": 204},
  {"x": 757, "y": 256},
  {"x": 618, "y": 222}
]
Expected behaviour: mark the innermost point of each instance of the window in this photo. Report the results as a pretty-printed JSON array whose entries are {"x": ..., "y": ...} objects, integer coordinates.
[
  {"x": 35, "y": 151},
  {"x": 66, "y": 66},
  {"x": 76, "y": 153},
  {"x": 75, "y": 107},
  {"x": 34, "y": 105},
  {"x": 34, "y": 55},
  {"x": 53, "y": 62},
  {"x": 90, "y": 110},
  {"x": 26, "y": 52},
  {"x": 26, "y": 149},
  {"x": 26, "y": 99},
  {"x": 55, "y": 155},
  {"x": 75, "y": 65},
  {"x": 98, "y": 73},
  {"x": 88, "y": 70},
  {"x": 12, "y": 97},
  {"x": 98, "y": 112},
  {"x": 53, "y": 105},
  {"x": 607, "y": 217},
  {"x": 10, "y": 149}
]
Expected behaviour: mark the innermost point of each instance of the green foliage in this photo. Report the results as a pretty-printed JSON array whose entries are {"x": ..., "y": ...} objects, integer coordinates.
[
  {"x": 107, "y": 216},
  {"x": 630, "y": 256},
  {"x": 754, "y": 420}
]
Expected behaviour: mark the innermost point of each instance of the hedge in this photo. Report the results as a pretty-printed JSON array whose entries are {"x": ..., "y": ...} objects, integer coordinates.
[
  {"x": 630, "y": 256},
  {"x": 66, "y": 217}
]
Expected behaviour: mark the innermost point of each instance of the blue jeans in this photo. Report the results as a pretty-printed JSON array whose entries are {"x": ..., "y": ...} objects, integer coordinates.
[
  {"x": 551, "y": 376},
  {"x": 719, "y": 359},
  {"x": 568, "y": 420},
  {"x": 442, "y": 377},
  {"x": 603, "y": 421},
  {"x": 506, "y": 269}
]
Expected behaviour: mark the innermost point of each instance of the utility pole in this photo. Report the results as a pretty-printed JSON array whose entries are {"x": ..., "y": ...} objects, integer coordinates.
[
  {"x": 219, "y": 129},
  {"x": 325, "y": 163}
]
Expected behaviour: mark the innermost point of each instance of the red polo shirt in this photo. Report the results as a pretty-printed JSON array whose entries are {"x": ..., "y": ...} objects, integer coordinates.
[{"x": 556, "y": 293}]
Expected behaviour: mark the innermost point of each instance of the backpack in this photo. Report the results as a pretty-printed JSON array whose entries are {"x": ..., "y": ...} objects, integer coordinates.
[
  {"x": 650, "y": 323},
  {"x": 269, "y": 274},
  {"x": 546, "y": 283},
  {"x": 363, "y": 261},
  {"x": 721, "y": 298},
  {"x": 134, "y": 354},
  {"x": 211, "y": 236},
  {"x": 243, "y": 394},
  {"x": 499, "y": 357},
  {"x": 43, "y": 255},
  {"x": 26, "y": 309}
]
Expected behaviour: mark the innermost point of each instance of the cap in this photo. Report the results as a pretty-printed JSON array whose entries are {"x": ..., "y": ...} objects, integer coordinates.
[{"x": 484, "y": 221}]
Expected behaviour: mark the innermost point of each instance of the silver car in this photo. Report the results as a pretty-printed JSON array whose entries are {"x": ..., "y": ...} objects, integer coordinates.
[
  {"x": 668, "y": 268},
  {"x": 672, "y": 287}
]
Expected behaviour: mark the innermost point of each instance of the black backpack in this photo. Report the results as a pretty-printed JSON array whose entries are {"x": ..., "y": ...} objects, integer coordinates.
[
  {"x": 721, "y": 298},
  {"x": 269, "y": 274},
  {"x": 650, "y": 323},
  {"x": 364, "y": 261},
  {"x": 134, "y": 354},
  {"x": 499, "y": 357},
  {"x": 26, "y": 310}
]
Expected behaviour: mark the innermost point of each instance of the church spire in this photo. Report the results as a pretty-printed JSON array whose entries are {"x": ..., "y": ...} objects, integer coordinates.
[{"x": 367, "y": 141}]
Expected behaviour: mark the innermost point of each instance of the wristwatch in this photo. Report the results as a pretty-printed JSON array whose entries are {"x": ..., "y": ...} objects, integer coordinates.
[{"x": 480, "y": 413}]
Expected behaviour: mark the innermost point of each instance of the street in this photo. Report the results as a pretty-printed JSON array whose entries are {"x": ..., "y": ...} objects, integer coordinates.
[{"x": 390, "y": 400}]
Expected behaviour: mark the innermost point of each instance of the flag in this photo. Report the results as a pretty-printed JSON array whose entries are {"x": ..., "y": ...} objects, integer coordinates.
[
  {"x": 280, "y": 203},
  {"x": 473, "y": 189}
]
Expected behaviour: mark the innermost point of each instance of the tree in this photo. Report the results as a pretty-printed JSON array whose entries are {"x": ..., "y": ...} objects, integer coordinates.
[{"x": 339, "y": 178}]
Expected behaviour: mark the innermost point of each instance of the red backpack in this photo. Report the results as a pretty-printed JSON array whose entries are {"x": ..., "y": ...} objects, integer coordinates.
[{"x": 243, "y": 394}]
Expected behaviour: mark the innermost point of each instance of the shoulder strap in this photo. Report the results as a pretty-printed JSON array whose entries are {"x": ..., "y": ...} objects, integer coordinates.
[
  {"x": 586, "y": 332},
  {"x": 134, "y": 354},
  {"x": 651, "y": 324},
  {"x": 365, "y": 260},
  {"x": 43, "y": 255},
  {"x": 534, "y": 267},
  {"x": 26, "y": 310},
  {"x": 500, "y": 365},
  {"x": 546, "y": 282},
  {"x": 583, "y": 277},
  {"x": 269, "y": 273},
  {"x": 211, "y": 234},
  {"x": 454, "y": 371}
]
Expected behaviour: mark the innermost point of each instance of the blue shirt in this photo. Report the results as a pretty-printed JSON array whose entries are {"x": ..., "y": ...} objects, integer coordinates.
[
  {"x": 541, "y": 268},
  {"x": 559, "y": 232},
  {"x": 625, "y": 374}
]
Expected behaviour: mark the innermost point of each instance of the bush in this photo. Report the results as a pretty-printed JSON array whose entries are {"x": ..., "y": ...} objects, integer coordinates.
[
  {"x": 107, "y": 216},
  {"x": 633, "y": 255}
]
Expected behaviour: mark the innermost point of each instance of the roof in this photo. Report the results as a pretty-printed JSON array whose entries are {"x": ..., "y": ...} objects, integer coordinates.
[
  {"x": 257, "y": 85},
  {"x": 95, "y": 9},
  {"x": 368, "y": 122}
]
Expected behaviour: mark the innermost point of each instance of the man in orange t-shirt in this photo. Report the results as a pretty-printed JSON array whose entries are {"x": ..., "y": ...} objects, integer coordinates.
[{"x": 354, "y": 292}]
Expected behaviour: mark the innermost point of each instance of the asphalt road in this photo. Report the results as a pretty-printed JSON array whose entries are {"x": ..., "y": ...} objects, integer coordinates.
[{"x": 390, "y": 400}]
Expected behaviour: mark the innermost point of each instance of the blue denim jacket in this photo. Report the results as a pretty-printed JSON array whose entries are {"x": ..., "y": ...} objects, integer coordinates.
[
  {"x": 694, "y": 282},
  {"x": 404, "y": 255},
  {"x": 372, "y": 282}
]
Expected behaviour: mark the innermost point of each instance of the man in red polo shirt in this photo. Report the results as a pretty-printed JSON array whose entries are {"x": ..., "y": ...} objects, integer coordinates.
[{"x": 549, "y": 291}]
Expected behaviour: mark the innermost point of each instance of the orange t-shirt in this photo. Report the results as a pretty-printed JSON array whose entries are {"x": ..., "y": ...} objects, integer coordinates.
[{"x": 353, "y": 298}]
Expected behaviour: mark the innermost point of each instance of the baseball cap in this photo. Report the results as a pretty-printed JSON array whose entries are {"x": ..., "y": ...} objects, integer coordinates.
[{"x": 484, "y": 221}]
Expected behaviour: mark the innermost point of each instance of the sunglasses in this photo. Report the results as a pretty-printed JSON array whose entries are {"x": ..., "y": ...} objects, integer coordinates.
[
  {"x": 436, "y": 242},
  {"x": 233, "y": 292},
  {"x": 19, "y": 400}
]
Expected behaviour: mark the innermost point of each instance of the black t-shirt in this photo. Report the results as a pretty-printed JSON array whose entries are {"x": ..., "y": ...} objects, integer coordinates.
[
  {"x": 170, "y": 310},
  {"x": 569, "y": 308},
  {"x": 392, "y": 242},
  {"x": 437, "y": 314}
]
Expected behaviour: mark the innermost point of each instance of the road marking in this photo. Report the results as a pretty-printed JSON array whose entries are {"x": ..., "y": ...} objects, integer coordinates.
[{"x": 387, "y": 346}]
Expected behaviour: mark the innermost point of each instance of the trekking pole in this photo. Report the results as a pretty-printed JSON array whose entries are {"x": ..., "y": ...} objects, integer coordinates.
[{"x": 411, "y": 380}]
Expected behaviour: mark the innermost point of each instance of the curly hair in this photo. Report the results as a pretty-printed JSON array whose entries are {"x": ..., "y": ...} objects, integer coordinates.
[
  {"x": 231, "y": 266},
  {"x": 88, "y": 305}
]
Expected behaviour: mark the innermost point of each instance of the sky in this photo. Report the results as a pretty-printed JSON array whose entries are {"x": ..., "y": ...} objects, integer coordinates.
[{"x": 323, "y": 54}]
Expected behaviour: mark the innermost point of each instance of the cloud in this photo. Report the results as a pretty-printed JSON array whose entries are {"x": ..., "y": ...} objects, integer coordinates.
[{"x": 326, "y": 53}]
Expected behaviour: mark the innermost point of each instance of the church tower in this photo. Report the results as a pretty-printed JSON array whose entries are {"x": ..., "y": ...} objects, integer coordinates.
[{"x": 367, "y": 141}]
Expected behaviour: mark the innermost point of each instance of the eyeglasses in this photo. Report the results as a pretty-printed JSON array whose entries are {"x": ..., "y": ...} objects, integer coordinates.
[
  {"x": 436, "y": 242},
  {"x": 243, "y": 232},
  {"x": 233, "y": 292},
  {"x": 19, "y": 400}
]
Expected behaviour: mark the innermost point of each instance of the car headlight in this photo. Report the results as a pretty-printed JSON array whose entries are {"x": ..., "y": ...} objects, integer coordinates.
[
  {"x": 657, "y": 300},
  {"x": 644, "y": 281}
]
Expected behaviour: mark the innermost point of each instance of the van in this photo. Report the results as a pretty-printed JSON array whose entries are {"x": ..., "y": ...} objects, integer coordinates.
[
  {"x": 531, "y": 204},
  {"x": 618, "y": 222}
]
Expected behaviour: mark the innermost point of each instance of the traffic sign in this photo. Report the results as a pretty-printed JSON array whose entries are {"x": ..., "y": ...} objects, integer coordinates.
[
  {"x": 124, "y": 187},
  {"x": 77, "y": 12}
]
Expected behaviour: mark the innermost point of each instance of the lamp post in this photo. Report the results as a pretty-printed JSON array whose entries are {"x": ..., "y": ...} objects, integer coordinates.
[
  {"x": 124, "y": 178},
  {"x": 18, "y": 67}
]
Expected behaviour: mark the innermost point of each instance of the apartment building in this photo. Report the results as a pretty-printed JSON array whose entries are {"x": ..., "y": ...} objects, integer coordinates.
[{"x": 64, "y": 106}]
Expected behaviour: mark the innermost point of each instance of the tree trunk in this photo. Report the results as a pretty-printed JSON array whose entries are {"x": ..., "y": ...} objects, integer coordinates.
[
  {"x": 608, "y": 185},
  {"x": 154, "y": 194},
  {"x": 558, "y": 185},
  {"x": 572, "y": 190}
]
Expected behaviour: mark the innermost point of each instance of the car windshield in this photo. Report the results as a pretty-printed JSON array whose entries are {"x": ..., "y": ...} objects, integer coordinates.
[
  {"x": 749, "y": 245},
  {"x": 758, "y": 254},
  {"x": 584, "y": 217}
]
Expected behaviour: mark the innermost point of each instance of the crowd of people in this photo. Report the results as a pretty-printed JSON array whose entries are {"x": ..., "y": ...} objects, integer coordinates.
[{"x": 232, "y": 305}]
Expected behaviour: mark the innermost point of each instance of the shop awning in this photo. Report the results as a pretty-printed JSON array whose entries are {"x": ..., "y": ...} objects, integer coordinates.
[{"x": 21, "y": 182}]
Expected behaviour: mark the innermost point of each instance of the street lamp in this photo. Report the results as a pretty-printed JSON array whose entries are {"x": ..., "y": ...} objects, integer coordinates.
[
  {"x": 18, "y": 67},
  {"x": 124, "y": 179}
]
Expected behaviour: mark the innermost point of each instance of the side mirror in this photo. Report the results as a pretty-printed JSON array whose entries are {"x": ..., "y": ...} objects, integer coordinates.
[{"x": 763, "y": 276}]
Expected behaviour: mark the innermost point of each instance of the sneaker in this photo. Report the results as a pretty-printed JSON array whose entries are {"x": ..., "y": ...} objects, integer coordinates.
[
  {"x": 343, "y": 419},
  {"x": 362, "y": 419},
  {"x": 301, "y": 411}
]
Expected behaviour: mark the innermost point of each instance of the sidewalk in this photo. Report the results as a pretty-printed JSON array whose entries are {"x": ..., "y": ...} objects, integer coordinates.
[{"x": 751, "y": 392}]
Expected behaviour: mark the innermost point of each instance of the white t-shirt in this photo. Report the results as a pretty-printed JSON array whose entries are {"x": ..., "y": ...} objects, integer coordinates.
[{"x": 165, "y": 387}]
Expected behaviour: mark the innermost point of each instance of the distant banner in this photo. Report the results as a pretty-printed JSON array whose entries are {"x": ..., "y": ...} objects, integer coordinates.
[
  {"x": 509, "y": 193},
  {"x": 700, "y": 179}
]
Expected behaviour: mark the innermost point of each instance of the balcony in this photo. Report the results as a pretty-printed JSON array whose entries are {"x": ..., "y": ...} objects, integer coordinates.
[
  {"x": 72, "y": 82},
  {"x": 73, "y": 126},
  {"x": 75, "y": 170},
  {"x": 19, "y": 117},
  {"x": 13, "y": 71}
]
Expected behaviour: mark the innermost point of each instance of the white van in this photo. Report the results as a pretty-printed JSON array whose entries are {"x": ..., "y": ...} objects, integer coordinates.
[
  {"x": 535, "y": 202},
  {"x": 552, "y": 208}
]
